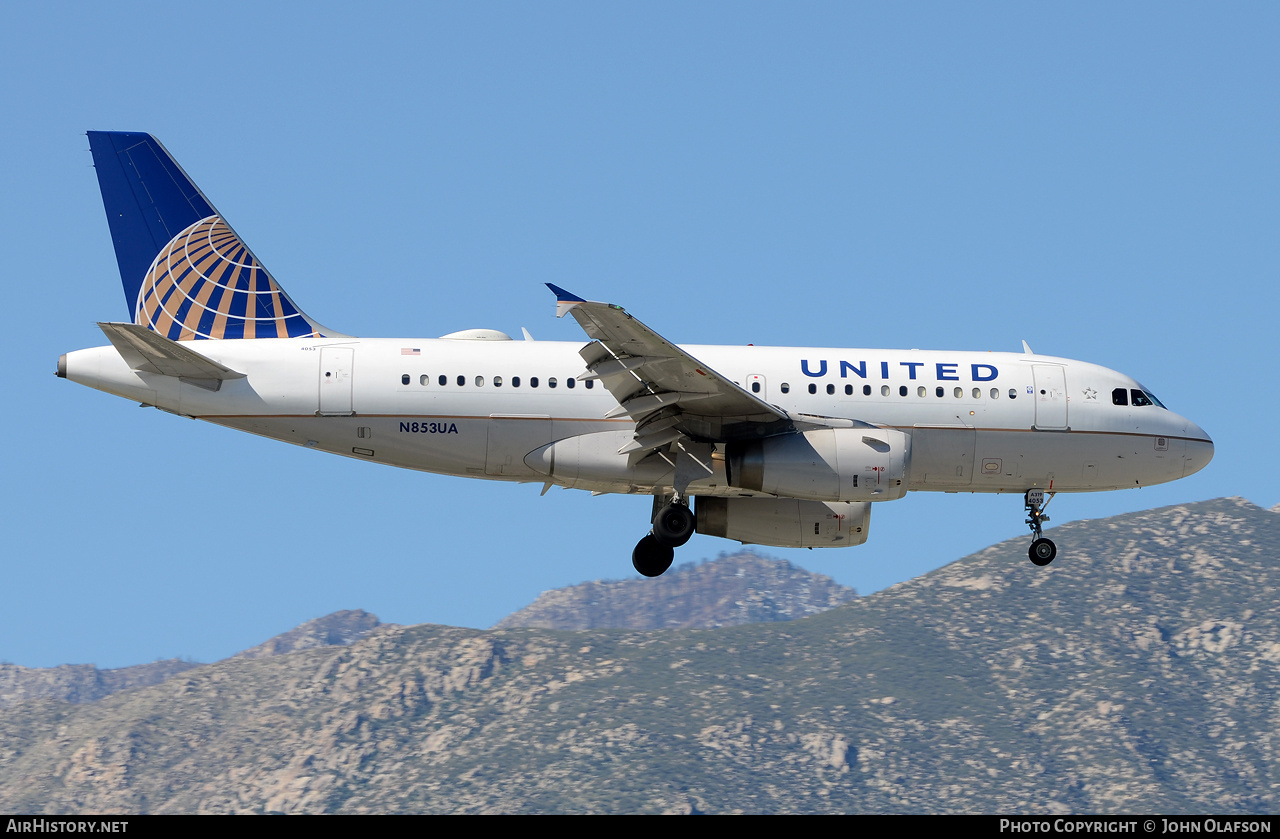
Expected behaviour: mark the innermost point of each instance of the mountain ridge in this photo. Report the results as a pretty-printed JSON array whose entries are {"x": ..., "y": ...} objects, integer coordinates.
[
  {"x": 81, "y": 683},
  {"x": 729, "y": 590},
  {"x": 1141, "y": 671},
  {"x": 696, "y": 594}
]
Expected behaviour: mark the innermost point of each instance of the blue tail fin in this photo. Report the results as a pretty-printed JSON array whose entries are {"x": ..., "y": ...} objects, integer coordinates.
[{"x": 186, "y": 273}]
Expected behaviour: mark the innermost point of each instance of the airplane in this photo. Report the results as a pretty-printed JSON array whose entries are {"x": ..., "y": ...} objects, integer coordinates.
[{"x": 780, "y": 446}]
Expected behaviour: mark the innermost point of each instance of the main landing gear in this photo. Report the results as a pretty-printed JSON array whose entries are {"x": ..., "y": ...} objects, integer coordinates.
[
  {"x": 673, "y": 525},
  {"x": 1042, "y": 550}
]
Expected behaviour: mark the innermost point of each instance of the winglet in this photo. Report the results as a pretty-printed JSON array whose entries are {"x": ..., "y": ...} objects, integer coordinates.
[{"x": 564, "y": 300}]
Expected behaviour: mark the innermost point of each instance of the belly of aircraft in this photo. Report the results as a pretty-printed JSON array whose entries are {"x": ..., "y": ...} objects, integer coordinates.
[
  {"x": 446, "y": 445},
  {"x": 969, "y": 460},
  {"x": 942, "y": 460}
]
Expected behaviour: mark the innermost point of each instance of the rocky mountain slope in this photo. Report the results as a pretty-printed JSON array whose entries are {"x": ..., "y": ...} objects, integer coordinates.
[
  {"x": 86, "y": 683},
  {"x": 743, "y": 588},
  {"x": 1139, "y": 672},
  {"x": 336, "y": 630},
  {"x": 728, "y": 591},
  {"x": 82, "y": 682}
]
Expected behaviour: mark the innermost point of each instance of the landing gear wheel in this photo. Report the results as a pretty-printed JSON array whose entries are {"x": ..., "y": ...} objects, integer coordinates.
[
  {"x": 651, "y": 558},
  {"x": 674, "y": 525},
  {"x": 1042, "y": 551}
]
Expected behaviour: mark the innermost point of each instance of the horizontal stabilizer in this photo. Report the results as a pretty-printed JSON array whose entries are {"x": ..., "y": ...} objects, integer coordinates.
[{"x": 148, "y": 352}]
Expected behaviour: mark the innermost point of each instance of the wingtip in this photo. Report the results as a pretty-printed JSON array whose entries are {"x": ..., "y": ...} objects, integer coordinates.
[
  {"x": 564, "y": 300},
  {"x": 563, "y": 296}
]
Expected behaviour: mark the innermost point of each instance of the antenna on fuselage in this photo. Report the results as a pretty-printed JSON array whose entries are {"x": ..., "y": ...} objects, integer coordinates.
[{"x": 1026, "y": 348}]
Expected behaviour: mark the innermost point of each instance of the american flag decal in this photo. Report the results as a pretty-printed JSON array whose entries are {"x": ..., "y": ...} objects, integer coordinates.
[{"x": 410, "y": 351}]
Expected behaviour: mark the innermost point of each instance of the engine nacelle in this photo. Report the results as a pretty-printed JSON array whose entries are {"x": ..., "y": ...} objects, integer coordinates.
[
  {"x": 830, "y": 464},
  {"x": 592, "y": 461},
  {"x": 785, "y": 522}
]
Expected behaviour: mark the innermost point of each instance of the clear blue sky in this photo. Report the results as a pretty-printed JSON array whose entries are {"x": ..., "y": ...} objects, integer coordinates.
[{"x": 1100, "y": 179}]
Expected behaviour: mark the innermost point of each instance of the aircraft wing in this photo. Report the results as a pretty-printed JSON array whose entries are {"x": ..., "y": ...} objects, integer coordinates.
[{"x": 669, "y": 393}]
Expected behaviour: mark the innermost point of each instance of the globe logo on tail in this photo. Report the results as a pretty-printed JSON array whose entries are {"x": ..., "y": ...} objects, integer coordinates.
[{"x": 207, "y": 284}]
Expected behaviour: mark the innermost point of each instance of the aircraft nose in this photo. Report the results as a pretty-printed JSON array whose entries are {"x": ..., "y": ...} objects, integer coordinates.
[{"x": 1199, "y": 450}]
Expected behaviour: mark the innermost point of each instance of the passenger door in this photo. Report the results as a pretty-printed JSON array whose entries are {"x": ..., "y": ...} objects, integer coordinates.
[
  {"x": 1050, "y": 397},
  {"x": 336, "y": 381}
]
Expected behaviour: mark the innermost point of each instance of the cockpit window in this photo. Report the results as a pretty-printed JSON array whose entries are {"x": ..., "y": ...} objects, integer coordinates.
[
  {"x": 1119, "y": 396},
  {"x": 1141, "y": 398}
]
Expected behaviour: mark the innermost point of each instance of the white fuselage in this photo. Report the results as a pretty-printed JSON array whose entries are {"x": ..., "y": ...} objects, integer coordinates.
[{"x": 978, "y": 422}]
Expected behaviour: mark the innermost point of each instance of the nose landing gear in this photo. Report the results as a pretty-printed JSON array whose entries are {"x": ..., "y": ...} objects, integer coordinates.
[
  {"x": 1042, "y": 550},
  {"x": 673, "y": 525}
]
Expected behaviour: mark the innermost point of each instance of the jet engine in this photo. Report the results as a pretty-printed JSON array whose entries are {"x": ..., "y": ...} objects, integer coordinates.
[
  {"x": 785, "y": 522},
  {"x": 830, "y": 464}
]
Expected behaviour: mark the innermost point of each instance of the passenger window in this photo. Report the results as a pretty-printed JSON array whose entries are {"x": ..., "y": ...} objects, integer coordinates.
[
  {"x": 848, "y": 390},
  {"x": 813, "y": 388},
  {"x": 959, "y": 392},
  {"x": 1013, "y": 393},
  {"x": 939, "y": 392},
  {"x": 866, "y": 390},
  {"x": 444, "y": 380},
  {"x": 1140, "y": 399},
  {"x": 404, "y": 380},
  {"x": 977, "y": 393},
  {"x": 515, "y": 381},
  {"x": 590, "y": 383},
  {"x": 497, "y": 381},
  {"x": 571, "y": 383},
  {"x": 462, "y": 380},
  {"x": 533, "y": 381},
  {"x": 995, "y": 393},
  {"x": 786, "y": 388},
  {"x": 831, "y": 389},
  {"x": 884, "y": 390},
  {"x": 755, "y": 387},
  {"x": 424, "y": 380},
  {"x": 921, "y": 391},
  {"x": 1120, "y": 396},
  {"x": 551, "y": 382},
  {"x": 479, "y": 381},
  {"x": 902, "y": 390}
]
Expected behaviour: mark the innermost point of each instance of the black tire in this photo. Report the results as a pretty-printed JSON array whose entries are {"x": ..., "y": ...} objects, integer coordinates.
[
  {"x": 674, "y": 525},
  {"x": 1042, "y": 552},
  {"x": 651, "y": 558}
]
